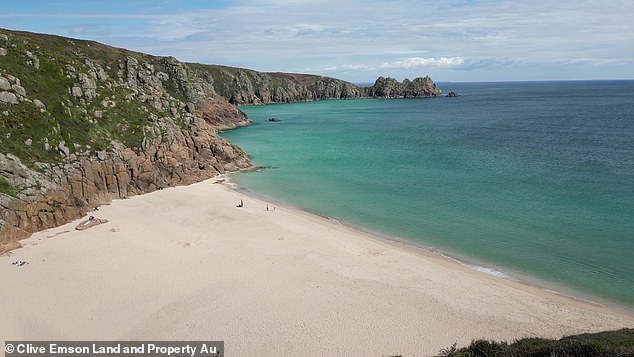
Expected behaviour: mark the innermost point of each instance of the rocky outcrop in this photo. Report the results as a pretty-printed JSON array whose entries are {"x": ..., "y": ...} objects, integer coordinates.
[
  {"x": 112, "y": 124},
  {"x": 243, "y": 86},
  {"x": 75, "y": 187},
  {"x": 173, "y": 158},
  {"x": 421, "y": 87}
]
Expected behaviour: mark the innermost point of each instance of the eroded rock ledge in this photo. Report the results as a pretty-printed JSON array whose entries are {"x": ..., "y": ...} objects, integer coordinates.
[{"x": 74, "y": 187}]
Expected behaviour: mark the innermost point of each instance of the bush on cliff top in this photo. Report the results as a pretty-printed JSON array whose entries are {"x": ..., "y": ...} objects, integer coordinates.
[{"x": 602, "y": 344}]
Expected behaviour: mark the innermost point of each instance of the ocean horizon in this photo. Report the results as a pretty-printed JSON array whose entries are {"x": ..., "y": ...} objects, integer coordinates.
[{"x": 526, "y": 180}]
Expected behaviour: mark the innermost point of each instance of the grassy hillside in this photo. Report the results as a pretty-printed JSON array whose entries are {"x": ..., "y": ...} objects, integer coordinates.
[
  {"x": 34, "y": 133},
  {"x": 94, "y": 95}
]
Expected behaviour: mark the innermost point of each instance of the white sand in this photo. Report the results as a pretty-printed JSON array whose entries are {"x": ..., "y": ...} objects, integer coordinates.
[{"x": 186, "y": 264}]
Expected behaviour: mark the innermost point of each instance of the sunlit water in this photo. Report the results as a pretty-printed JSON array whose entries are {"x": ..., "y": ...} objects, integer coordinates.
[{"x": 534, "y": 178}]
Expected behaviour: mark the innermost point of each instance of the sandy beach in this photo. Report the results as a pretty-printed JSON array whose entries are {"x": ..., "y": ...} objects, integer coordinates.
[{"x": 185, "y": 263}]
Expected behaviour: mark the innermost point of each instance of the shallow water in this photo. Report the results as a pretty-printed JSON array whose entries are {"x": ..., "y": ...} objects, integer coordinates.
[{"x": 529, "y": 177}]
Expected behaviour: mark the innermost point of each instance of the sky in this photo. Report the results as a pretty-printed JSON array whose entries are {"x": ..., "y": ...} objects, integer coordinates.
[{"x": 359, "y": 40}]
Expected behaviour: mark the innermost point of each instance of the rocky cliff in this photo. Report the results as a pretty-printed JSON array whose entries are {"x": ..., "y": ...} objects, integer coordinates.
[
  {"x": 243, "y": 86},
  {"x": 421, "y": 87},
  {"x": 83, "y": 123}
]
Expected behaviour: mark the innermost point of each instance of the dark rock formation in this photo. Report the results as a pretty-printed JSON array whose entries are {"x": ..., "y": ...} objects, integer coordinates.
[
  {"x": 274, "y": 120},
  {"x": 452, "y": 95},
  {"x": 391, "y": 88}
]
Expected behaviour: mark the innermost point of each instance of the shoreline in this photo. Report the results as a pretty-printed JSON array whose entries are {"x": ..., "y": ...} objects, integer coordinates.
[
  {"x": 515, "y": 279},
  {"x": 184, "y": 263},
  {"x": 470, "y": 263}
]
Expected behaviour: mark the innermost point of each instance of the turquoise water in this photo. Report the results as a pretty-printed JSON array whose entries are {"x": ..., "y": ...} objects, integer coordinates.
[{"x": 533, "y": 178}]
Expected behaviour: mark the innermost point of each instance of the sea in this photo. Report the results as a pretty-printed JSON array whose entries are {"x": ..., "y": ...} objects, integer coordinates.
[{"x": 532, "y": 181}]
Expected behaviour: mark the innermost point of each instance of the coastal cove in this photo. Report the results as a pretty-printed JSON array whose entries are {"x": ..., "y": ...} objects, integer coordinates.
[
  {"x": 317, "y": 178},
  {"x": 271, "y": 282},
  {"x": 529, "y": 179}
]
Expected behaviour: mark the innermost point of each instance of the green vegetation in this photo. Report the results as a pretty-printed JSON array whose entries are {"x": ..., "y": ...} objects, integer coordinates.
[
  {"x": 6, "y": 188},
  {"x": 32, "y": 134},
  {"x": 124, "y": 123},
  {"x": 603, "y": 344}
]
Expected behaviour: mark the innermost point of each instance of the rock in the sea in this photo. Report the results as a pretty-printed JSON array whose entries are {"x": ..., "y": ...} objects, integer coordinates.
[
  {"x": 274, "y": 120},
  {"x": 452, "y": 94},
  {"x": 421, "y": 87}
]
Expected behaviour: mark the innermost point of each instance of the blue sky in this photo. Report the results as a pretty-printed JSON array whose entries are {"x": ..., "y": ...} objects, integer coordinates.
[{"x": 459, "y": 40}]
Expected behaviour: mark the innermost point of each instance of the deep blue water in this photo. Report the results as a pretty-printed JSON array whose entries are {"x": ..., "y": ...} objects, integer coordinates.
[{"x": 531, "y": 178}]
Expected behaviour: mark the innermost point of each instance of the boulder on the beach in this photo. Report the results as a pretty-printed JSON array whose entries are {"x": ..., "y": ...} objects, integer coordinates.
[{"x": 89, "y": 223}]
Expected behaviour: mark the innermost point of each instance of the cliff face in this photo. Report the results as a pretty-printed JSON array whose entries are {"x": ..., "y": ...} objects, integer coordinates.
[
  {"x": 59, "y": 193},
  {"x": 83, "y": 123},
  {"x": 244, "y": 86}
]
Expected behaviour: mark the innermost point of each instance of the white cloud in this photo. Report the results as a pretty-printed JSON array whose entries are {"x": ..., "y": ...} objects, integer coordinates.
[
  {"x": 416, "y": 62},
  {"x": 403, "y": 63},
  {"x": 350, "y": 67},
  {"x": 83, "y": 29},
  {"x": 360, "y": 39}
]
